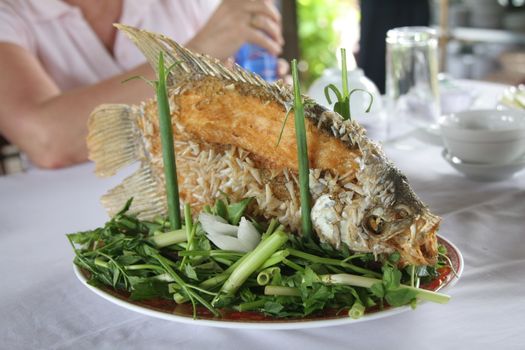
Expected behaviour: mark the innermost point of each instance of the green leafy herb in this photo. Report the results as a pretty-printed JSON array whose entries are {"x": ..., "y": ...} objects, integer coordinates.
[
  {"x": 282, "y": 277},
  {"x": 272, "y": 308},
  {"x": 342, "y": 105},
  {"x": 149, "y": 290},
  {"x": 236, "y": 210},
  {"x": 221, "y": 209}
]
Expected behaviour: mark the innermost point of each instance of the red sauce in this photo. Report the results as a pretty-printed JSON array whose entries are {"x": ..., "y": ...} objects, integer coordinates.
[
  {"x": 245, "y": 316},
  {"x": 443, "y": 274}
]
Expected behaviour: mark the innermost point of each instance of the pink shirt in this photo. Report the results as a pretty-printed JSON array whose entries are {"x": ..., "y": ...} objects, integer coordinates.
[{"x": 70, "y": 51}]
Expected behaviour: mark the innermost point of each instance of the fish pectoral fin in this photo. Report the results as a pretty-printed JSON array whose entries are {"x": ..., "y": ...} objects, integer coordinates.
[{"x": 112, "y": 138}]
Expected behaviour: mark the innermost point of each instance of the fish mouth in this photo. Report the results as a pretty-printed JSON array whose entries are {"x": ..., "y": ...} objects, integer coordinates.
[{"x": 417, "y": 244}]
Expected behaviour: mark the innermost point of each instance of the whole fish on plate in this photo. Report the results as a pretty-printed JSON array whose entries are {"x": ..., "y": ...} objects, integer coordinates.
[{"x": 226, "y": 124}]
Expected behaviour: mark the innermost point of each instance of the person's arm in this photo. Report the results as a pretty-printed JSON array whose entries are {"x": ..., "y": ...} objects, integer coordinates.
[
  {"x": 47, "y": 124},
  {"x": 50, "y": 125}
]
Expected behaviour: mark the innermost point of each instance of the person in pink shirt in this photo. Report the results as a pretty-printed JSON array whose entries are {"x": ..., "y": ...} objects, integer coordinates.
[{"x": 60, "y": 59}]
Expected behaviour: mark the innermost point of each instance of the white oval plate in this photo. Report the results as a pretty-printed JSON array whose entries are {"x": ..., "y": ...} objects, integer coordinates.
[{"x": 275, "y": 324}]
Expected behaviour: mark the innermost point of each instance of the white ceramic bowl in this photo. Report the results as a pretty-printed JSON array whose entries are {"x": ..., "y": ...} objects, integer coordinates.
[
  {"x": 485, "y": 172},
  {"x": 484, "y": 136}
]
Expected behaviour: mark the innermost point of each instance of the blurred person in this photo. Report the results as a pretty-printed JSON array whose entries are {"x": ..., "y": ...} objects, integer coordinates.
[
  {"x": 60, "y": 59},
  {"x": 377, "y": 18}
]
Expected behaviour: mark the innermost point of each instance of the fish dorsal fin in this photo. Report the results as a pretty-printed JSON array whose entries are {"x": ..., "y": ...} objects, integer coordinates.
[{"x": 188, "y": 62}]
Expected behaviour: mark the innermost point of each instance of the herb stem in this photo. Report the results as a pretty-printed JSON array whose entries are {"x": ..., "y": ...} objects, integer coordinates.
[
  {"x": 254, "y": 260},
  {"x": 212, "y": 253},
  {"x": 293, "y": 265},
  {"x": 282, "y": 291},
  {"x": 214, "y": 281},
  {"x": 329, "y": 261},
  {"x": 169, "y": 238},
  {"x": 271, "y": 227},
  {"x": 168, "y": 151},
  {"x": 302, "y": 156},
  {"x": 191, "y": 294},
  {"x": 357, "y": 310},
  {"x": 188, "y": 222},
  {"x": 102, "y": 263},
  {"x": 190, "y": 231},
  {"x": 276, "y": 258},
  {"x": 367, "y": 282},
  {"x": 252, "y": 305},
  {"x": 345, "y": 72},
  {"x": 143, "y": 267},
  {"x": 264, "y": 277}
]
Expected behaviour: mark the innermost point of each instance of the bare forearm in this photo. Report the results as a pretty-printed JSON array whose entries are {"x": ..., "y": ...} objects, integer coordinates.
[{"x": 59, "y": 123}]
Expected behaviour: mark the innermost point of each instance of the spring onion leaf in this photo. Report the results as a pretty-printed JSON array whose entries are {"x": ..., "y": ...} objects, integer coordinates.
[
  {"x": 302, "y": 156},
  {"x": 253, "y": 261},
  {"x": 168, "y": 152}
]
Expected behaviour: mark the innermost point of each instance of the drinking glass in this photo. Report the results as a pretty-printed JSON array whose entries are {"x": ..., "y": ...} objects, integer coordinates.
[{"x": 412, "y": 88}]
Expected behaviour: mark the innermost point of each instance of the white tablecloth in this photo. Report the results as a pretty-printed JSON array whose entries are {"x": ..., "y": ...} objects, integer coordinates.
[{"x": 44, "y": 306}]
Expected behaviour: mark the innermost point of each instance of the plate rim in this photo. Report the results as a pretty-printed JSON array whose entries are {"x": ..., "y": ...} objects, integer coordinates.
[{"x": 274, "y": 325}]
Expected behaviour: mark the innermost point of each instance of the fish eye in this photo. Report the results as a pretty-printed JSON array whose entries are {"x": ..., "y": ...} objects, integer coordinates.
[
  {"x": 401, "y": 212},
  {"x": 374, "y": 224}
]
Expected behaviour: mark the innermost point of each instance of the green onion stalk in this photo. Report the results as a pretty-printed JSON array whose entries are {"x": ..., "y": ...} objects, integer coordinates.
[
  {"x": 252, "y": 305},
  {"x": 356, "y": 311},
  {"x": 282, "y": 291},
  {"x": 190, "y": 231},
  {"x": 302, "y": 156},
  {"x": 168, "y": 152},
  {"x": 166, "y": 239},
  {"x": 250, "y": 263},
  {"x": 264, "y": 277}
]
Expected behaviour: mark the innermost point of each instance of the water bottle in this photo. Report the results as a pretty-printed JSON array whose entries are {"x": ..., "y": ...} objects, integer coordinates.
[{"x": 258, "y": 60}]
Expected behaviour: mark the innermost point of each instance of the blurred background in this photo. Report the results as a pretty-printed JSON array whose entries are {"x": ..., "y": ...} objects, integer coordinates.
[{"x": 481, "y": 40}]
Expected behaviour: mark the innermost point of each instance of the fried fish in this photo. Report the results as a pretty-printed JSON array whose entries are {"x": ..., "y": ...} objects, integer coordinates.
[{"x": 226, "y": 124}]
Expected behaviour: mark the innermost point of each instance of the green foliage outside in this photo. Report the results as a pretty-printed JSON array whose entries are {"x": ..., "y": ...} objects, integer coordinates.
[{"x": 318, "y": 41}]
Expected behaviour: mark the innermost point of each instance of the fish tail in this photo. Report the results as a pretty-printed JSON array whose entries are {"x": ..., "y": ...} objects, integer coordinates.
[
  {"x": 143, "y": 187},
  {"x": 112, "y": 140}
]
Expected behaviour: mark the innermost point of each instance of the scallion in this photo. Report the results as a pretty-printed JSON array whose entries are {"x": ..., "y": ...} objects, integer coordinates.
[
  {"x": 253, "y": 261},
  {"x": 168, "y": 151},
  {"x": 302, "y": 156}
]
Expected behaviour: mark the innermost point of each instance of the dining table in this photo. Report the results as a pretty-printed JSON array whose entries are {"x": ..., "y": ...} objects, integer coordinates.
[{"x": 44, "y": 306}]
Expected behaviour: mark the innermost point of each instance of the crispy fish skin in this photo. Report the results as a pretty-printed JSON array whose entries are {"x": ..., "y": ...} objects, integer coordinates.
[{"x": 226, "y": 124}]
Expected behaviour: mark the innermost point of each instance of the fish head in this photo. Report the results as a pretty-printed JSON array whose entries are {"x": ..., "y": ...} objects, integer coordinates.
[{"x": 395, "y": 219}]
